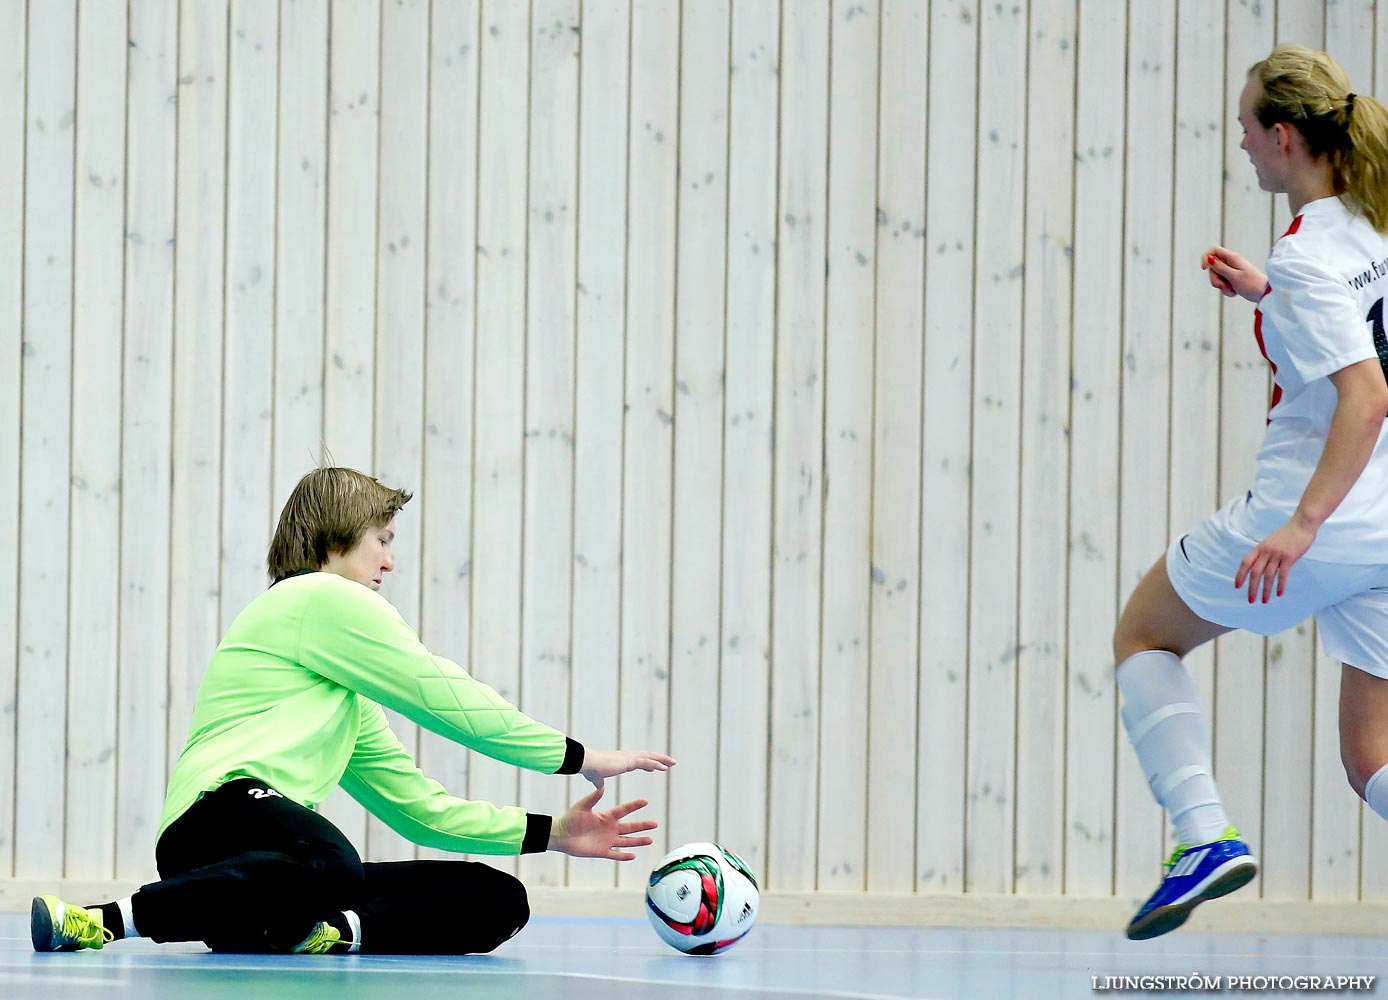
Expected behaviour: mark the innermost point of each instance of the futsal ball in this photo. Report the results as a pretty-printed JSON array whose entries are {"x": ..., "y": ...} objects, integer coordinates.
[{"x": 702, "y": 898}]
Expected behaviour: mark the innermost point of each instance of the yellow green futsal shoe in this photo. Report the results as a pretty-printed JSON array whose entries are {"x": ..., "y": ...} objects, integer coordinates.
[
  {"x": 320, "y": 941},
  {"x": 58, "y": 926},
  {"x": 1193, "y": 875}
]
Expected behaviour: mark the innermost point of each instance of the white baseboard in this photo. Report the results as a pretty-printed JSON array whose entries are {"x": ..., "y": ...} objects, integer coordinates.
[
  {"x": 978, "y": 910},
  {"x": 1288, "y": 916}
]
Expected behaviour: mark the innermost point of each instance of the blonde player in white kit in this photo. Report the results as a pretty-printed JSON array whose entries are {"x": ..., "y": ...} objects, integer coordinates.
[{"x": 1311, "y": 536}]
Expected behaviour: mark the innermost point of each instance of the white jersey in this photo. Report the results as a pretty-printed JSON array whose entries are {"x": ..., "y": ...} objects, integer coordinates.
[{"x": 1322, "y": 311}]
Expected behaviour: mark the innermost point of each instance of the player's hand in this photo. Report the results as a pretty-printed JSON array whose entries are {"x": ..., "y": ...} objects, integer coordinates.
[
  {"x": 583, "y": 833},
  {"x": 1272, "y": 560},
  {"x": 601, "y": 764},
  {"x": 1232, "y": 274}
]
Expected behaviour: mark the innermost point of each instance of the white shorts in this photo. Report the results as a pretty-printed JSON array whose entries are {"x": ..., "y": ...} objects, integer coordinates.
[{"x": 1349, "y": 602}]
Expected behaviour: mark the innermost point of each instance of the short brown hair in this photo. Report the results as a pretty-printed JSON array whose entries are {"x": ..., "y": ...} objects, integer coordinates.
[{"x": 327, "y": 513}]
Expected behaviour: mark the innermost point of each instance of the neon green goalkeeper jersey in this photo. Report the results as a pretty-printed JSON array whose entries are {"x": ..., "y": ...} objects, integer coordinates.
[{"x": 293, "y": 697}]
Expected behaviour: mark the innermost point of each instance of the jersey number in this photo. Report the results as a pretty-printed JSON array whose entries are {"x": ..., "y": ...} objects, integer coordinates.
[{"x": 1375, "y": 318}]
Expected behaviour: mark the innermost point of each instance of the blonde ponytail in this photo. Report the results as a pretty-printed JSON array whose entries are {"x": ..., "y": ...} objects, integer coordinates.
[{"x": 1365, "y": 167}]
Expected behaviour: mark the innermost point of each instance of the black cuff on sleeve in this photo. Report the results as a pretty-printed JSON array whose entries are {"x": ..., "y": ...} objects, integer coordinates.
[
  {"x": 573, "y": 757},
  {"x": 537, "y": 827}
]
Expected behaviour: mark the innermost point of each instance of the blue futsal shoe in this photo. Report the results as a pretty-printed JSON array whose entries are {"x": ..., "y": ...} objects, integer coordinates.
[{"x": 1193, "y": 875}]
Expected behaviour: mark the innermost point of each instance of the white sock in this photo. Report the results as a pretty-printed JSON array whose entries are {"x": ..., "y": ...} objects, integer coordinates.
[
  {"x": 354, "y": 922},
  {"x": 1168, "y": 730},
  {"x": 1376, "y": 792},
  {"x": 127, "y": 916}
]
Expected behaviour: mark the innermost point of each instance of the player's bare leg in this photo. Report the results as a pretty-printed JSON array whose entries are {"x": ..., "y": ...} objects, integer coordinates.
[
  {"x": 1156, "y": 618},
  {"x": 1364, "y": 735}
]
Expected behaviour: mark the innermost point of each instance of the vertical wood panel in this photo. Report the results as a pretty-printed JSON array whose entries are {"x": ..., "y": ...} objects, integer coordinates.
[
  {"x": 1146, "y": 344},
  {"x": 94, "y": 587},
  {"x": 45, "y": 428},
  {"x": 841, "y": 843},
  {"x": 994, "y": 527},
  {"x": 1350, "y": 38},
  {"x": 400, "y": 277},
  {"x": 500, "y": 395},
  {"x": 13, "y": 134},
  {"x": 798, "y": 484},
  {"x": 894, "y": 599},
  {"x": 199, "y": 262},
  {"x": 1335, "y": 809},
  {"x": 300, "y": 233},
  {"x": 146, "y": 433},
  {"x": 1287, "y": 792},
  {"x": 1379, "y": 77},
  {"x": 945, "y": 451},
  {"x": 549, "y": 397},
  {"x": 349, "y": 369},
  {"x": 1046, "y": 325},
  {"x": 1092, "y": 598},
  {"x": 696, "y": 559},
  {"x": 249, "y": 352},
  {"x": 598, "y": 397},
  {"x": 450, "y": 333},
  {"x": 745, "y": 670},
  {"x": 1244, "y": 392},
  {"x": 650, "y": 362},
  {"x": 353, "y": 124}
]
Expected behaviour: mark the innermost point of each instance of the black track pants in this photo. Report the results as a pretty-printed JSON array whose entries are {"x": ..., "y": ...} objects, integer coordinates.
[{"x": 245, "y": 869}]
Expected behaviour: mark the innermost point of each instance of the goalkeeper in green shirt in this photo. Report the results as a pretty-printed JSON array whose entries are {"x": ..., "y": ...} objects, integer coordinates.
[{"x": 291, "y": 706}]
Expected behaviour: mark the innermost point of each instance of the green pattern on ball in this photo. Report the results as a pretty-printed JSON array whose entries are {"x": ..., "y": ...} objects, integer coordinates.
[{"x": 736, "y": 861}]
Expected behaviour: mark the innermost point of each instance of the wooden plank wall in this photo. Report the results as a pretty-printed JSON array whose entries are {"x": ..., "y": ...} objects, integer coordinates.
[{"x": 799, "y": 386}]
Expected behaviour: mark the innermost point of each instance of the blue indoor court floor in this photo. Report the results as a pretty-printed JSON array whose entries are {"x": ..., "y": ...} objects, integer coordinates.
[{"x": 608, "y": 959}]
